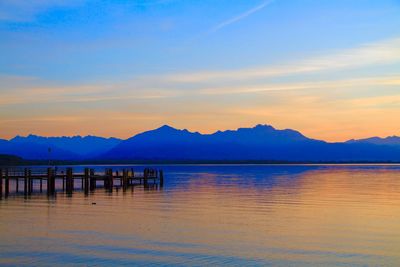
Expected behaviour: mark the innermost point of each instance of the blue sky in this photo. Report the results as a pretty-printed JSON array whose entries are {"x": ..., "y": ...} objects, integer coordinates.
[{"x": 330, "y": 69}]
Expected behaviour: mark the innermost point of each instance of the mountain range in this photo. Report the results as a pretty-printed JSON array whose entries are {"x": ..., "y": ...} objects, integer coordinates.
[{"x": 262, "y": 142}]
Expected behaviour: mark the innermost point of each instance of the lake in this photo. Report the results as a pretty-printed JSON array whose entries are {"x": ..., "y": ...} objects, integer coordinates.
[{"x": 235, "y": 215}]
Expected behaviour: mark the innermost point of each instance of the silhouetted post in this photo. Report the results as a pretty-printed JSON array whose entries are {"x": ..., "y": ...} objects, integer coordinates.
[
  {"x": 7, "y": 186},
  {"x": 17, "y": 184},
  {"x": 86, "y": 184},
  {"x": 51, "y": 187},
  {"x": 106, "y": 178},
  {"x": 48, "y": 181},
  {"x": 41, "y": 184},
  {"x": 125, "y": 179},
  {"x": 145, "y": 177},
  {"x": 25, "y": 181},
  {"x": 30, "y": 184},
  {"x": 70, "y": 180},
  {"x": 63, "y": 180},
  {"x": 1, "y": 183},
  {"x": 92, "y": 180},
  {"x": 161, "y": 174},
  {"x": 67, "y": 181},
  {"x": 112, "y": 179}
]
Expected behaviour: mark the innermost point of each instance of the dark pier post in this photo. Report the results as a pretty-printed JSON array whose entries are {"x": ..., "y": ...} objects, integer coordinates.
[
  {"x": 92, "y": 180},
  {"x": 83, "y": 181},
  {"x": 25, "y": 181},
  {"x": 7, "y": 185},
  {"x": 30, "y": 184},
  {"x": 41, "y": 184},
  {"x": 69, "y": 181},
  {"x": 48, "y": 181},
  {"x": 86, "y": 179},
  {"x": 63, "y": 180},
  {"x": 51, "y": 185},
  {"x": 17, "y": 184},
  {"x": 161, "y": 175},
  {"x": 71, "y": 177},
  {"x": 106, "y": 178},
  {"x": 145, "y": 177},
  {"x": 125, "y": 179},
  {"x": 112, "y": 179},
  {"x": 1, "y": 183}
]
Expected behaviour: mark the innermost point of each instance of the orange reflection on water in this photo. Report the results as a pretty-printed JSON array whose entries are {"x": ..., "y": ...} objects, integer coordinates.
[{"x": 322, "y": 216}]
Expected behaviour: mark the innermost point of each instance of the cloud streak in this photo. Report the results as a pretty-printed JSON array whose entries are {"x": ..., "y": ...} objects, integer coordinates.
[
  {"x": 241, "y": 16},
  {"x": 371, "y": 54}
]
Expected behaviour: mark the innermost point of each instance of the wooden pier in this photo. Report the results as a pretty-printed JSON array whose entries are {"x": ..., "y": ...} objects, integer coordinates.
[{"x": 53, "y": 179}]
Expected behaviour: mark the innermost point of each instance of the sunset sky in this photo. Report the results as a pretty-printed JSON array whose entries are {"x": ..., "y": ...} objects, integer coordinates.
[{"x": 330, "y": 69}]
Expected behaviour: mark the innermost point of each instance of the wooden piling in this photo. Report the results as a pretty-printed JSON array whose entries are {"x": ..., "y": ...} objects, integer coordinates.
[
  {"x": 108, "y": 179},
  {"x": 30, "y": 184},
  {"x": 25, "y": 181},
  {"x": 51, "y": 186},
  {"x": 69, "y": 181},
  {"x": 1, "y": 183},
  {"x": 124, "y": 180},
  {"x": 63, "y": 181},
  {"x": 125, "y": 177},
  {"x": 7, "y": 185},
  {"x": 17, "y": 185},
  {"x": 111, "y": 179},
  {"x": 161, "y": 177},
  {"x": 92, "y": 179},
  {"x": 145, "y": 177},
  {"x": 86, "y": 181}
]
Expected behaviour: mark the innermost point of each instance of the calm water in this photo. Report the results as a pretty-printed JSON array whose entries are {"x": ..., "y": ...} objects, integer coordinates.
[{"x": 216, "y": 215}]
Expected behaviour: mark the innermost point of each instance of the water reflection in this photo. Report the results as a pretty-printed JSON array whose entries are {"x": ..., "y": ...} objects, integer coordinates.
[{"x": 224, "y": 215}]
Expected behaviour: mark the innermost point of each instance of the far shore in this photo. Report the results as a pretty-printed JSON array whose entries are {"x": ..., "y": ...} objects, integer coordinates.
[{"x": 16, "y": 161}]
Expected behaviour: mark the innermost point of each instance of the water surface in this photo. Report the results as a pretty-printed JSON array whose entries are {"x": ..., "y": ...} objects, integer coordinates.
[{"x": 215, "y": 215}]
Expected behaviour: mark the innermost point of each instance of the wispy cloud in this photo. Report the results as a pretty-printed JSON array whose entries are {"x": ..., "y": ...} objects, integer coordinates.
[
  {"x": 241, "y": 16},
  {"x": 320, "y": 85},
  {"x": 366, "y": 55}
]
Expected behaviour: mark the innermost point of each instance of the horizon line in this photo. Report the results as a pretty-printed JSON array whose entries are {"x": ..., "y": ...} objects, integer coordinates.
[{"x": 194, "y": 132}]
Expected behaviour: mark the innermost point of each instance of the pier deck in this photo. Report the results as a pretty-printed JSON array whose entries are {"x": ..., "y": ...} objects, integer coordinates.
[{"x": 53, "y": 179}]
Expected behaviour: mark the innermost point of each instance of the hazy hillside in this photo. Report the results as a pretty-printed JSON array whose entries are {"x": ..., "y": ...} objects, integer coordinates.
[{"x": 262, "y": 142}]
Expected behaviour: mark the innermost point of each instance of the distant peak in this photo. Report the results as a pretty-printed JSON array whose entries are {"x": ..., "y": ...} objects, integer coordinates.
[
  {"x": 263, "y": 126},
  {"x": 166, "y": 127}
]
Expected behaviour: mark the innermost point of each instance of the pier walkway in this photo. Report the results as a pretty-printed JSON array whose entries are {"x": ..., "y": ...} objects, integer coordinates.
[{"x": 53, "y": 179}]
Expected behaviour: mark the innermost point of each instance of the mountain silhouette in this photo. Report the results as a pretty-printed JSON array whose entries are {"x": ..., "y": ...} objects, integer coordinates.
[
  {"x": 262, "y": 142},
  {"x": 76, "y": 147},
  {"x": 390, "y": 140},
  {"x": 28, "y": 150}
]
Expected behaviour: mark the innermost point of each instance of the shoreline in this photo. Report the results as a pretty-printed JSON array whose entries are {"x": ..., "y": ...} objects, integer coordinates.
[{"x": 186, "y": 162}]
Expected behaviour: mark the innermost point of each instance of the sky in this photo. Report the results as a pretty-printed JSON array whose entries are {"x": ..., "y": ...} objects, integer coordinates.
[{"x": 329, "y": 69}]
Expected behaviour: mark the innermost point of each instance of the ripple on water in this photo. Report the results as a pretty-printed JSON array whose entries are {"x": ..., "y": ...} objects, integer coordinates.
[{"x": 215, "y": 215}]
